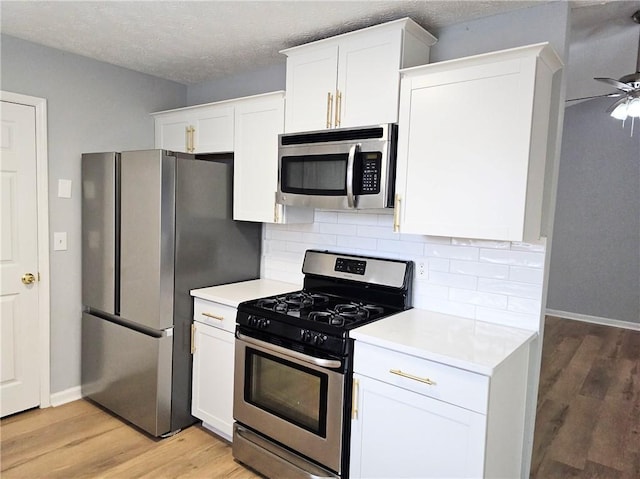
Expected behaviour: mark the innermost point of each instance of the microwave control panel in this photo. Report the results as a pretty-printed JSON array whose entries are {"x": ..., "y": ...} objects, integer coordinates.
[{"x": 370, "y": 182}]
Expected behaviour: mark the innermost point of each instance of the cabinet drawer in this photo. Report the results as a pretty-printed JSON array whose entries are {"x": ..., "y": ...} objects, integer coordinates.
[
  {"x": 214, "y": 314},
  {"x": 452, "y": 385}
]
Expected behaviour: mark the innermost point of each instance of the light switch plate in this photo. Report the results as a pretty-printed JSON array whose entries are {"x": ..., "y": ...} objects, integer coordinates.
[
  {"x": 64, "y": 188},
  {"x": 60, "y": 241}
]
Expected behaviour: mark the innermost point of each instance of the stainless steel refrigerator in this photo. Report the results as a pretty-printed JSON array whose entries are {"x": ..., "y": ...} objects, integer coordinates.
[{"x": 155, "y": 224}]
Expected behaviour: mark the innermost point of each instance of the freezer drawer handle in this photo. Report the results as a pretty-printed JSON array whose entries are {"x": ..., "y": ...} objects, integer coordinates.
[
  {"x": 411, "y": 376},
  {"x": 213, "y": 316}
]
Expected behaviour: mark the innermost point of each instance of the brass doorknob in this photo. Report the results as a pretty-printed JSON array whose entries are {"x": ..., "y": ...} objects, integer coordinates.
[{"x": 28, "y": 278}]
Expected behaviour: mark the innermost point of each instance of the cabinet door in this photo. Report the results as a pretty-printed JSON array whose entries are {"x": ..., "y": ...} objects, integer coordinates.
[
  {"x": 311, "y": 89},
  {"x": 213, "y": 357},
  {"x": 213, "y": 129},
  {"x": 258, "y": 123},
  {"x": 401, "y": 434},
  {"x": 463, "y": 151},
  {"x": 369, "y": 79},
  {"x": 171, "y": 132}
]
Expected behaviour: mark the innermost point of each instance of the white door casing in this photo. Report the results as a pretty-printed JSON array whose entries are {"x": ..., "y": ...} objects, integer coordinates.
[{"x": 24, "y": 309}]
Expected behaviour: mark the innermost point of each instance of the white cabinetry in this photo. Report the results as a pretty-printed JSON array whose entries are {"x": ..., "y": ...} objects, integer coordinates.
[
  {"x": 432, "y": 420},
  {"x": 475, "y": 134},
  {"x": 201, "y": 129},
  {"x": 248, "y": 127},
  {"x": 352, "y": 79},
  {"x": 258, "y": 122},
  {"x": 213, "y": 349}
]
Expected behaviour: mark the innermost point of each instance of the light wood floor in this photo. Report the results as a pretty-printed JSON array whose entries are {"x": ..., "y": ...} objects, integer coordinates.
[
  {"x": 588, "y": 417},
  {"x": 588, "y": 424},
  {"x": 80, "y": 440}
]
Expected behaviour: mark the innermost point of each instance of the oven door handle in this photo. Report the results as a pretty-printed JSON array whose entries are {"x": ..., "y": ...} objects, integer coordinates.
[
  {"x": 351, "y": 199},
  {"x": 325, "y": 363}
]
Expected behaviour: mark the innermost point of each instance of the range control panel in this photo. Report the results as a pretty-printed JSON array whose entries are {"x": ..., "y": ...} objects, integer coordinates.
[{"x": 352, "y": 266}]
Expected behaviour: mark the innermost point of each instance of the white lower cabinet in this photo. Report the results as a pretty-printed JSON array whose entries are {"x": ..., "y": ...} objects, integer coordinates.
[
  {"x": 213, "y": 357},
  {"x": 403, "y": 434},
  {"x": 416, "y": 418}
]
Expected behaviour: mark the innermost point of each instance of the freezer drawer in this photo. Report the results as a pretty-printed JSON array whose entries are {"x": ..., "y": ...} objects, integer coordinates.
[{"x": 128, "y": 372}]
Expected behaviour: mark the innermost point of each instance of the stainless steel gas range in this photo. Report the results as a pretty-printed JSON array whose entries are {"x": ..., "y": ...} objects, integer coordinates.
[{"x": 293, "y": 363}]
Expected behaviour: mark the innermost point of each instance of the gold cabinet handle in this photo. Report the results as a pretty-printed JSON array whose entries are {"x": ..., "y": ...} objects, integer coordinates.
[
  {"x": 28, "y": 278},
  {"x": 354, "y": 400},
  {"x": 193, "y": 338},
  {"x": 192, "y": 130},
  {"x": 396, "y": 214},
  {"x": 213, "y": 316},
  {"x": 276, "y": 210},
  {"x": 411, "y": 376},
  {"x": 338, "y": 108},
  {"x": 329, "y": 108}
]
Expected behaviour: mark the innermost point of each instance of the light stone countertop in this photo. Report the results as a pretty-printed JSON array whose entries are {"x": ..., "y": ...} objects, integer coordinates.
[
  {"x": 468, "y": 344},
  {"x": 235, "y": 293}
]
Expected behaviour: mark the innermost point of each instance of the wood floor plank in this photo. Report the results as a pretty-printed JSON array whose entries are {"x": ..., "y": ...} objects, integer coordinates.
[
  {"x": 573, "y": 440},
  {"x": 572, "y": 376},
  {"x": 555, "y": 360},
  {"x": 610, "y": 432},
  {"x": 549, "y": 419},
  {"x": 599, "y": 378}
]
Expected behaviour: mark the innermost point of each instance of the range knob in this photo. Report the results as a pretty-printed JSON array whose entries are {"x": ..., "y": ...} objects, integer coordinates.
[
  {"x": 319, "y": 339},
  {"x": 263, "y": 323},
  {"x": 306, "y": 336},
  {"x": 253, "y": 321}
]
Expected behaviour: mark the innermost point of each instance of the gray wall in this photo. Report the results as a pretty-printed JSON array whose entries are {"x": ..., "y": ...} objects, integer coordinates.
[
  {"x": 595, "y": 259},
  {"x": 92, "y": 106}
]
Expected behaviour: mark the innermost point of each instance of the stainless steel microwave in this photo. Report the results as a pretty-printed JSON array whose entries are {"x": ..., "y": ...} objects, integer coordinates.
[{"x": 345, "y": 168}]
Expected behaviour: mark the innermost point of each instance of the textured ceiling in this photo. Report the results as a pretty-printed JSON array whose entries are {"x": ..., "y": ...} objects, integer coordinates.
[{"x": 195, "y": 41}]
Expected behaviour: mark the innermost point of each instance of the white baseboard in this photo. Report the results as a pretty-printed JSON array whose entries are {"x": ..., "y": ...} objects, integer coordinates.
[
  {"x": 68, "y": 395},
  {"x": 594, "y": 319}
]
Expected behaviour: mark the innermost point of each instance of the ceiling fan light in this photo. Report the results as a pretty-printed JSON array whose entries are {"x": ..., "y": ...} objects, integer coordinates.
[
  {"x": 620, "y": 112},
  {"x": 633, "y": 108}
]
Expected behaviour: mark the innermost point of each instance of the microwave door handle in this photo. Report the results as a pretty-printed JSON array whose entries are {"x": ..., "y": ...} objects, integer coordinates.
[{"x": 351, "y": 200}]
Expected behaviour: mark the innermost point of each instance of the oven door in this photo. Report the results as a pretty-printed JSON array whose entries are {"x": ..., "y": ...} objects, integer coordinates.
[{"x": 292, "y": 398}]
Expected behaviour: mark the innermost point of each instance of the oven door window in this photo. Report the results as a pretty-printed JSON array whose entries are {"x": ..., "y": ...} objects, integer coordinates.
[
  {"x": 287, "y": 390},
  {"x": 324, "y": 175}
]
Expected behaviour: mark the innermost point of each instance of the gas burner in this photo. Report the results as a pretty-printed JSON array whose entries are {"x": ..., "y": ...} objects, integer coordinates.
[
  {"x": 302, "y": 299},
  {"x": 329, "y": 317},
  {"x": 273, "y": 304}
]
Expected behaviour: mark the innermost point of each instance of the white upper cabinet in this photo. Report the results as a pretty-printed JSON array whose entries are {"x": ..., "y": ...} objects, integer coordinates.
[
  {"x": 258, "y": 122},
  {"x": 352, "y": 79},
  {"x": 200, "y": 129},
  {"x": 474, "y": 137}
]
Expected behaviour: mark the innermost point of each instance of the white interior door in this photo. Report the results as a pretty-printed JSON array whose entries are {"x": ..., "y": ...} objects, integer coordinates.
[{"x": 19, "y": 321}]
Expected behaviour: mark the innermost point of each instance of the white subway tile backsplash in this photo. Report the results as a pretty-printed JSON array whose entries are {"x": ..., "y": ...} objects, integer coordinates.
[
  {"x": 510, "y": 288},
  {"x": 524, "y": 305},
  {"x": 405, "y": 247},
  {"x": 381, "y": 232},
  {"x": 489, "y": 300},
  {"x": 480, "y": 243},
  {"x": 285, "y": 235},
  {"x": 337, "y": 229},
  {"x": 438, "y": 264},
  {"x": 358, "y": 218},
  {"x": 493, "y": 281},
  {"x": 326, "y": 216},
  {"x": 512, "y": 258},
  {"x": 526, "y": 275},
  {"x": 319, "y": 239},
  {"x": 451, "y": 252},
  {"x": 486, "y": 270},
  {"x": 370, "y": 244},
  {"x": 453, "y": 280}
]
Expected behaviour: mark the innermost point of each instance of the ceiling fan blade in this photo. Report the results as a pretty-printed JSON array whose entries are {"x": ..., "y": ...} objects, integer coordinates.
[
  {"x": 618, "y": 84},
  {"x": 619, "y": 102},
  {"x": 607, "y": 95}
]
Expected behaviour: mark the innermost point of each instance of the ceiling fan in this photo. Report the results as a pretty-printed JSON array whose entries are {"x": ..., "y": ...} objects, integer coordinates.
[{"x": 629, "y": 85}]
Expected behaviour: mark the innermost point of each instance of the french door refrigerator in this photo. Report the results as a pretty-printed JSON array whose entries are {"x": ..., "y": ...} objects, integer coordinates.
[{"x": 155, "y": 224}]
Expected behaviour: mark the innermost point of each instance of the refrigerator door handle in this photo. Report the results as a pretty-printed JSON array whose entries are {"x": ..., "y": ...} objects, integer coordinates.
[{"x": 156, "y": 333}]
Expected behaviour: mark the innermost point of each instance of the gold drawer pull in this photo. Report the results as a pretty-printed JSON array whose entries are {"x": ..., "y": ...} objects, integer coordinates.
[
  {"x": 411, "y": 376},
  {"x": 213, "y": 316}
]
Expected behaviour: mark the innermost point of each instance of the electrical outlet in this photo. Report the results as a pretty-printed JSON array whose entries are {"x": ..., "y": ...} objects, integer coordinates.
[
  {"x": 422, "y": 270},
  {"x": 60, "y": 241}
]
